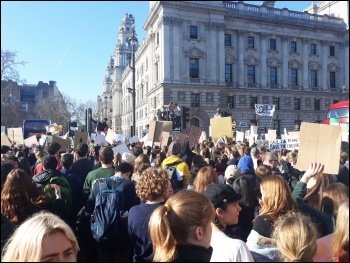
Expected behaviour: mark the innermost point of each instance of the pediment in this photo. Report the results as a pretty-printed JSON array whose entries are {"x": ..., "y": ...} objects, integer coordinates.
[
  {"x": 314, "y": 65},
  {"x": 294, "y": 63},
  {"x": 273, "y": 62},
  {"x": 251, "y": 60},
  {"x": 333, "y": 67},
  {"x": 230, "y": 59},
  {"x": 194, "y": 52}
]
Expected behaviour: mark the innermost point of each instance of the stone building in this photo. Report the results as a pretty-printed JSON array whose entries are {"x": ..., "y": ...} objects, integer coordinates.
[{"x": 229, "y": 55}]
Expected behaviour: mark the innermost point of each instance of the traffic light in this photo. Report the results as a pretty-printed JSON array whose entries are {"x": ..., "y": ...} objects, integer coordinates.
[{"x": 185, "y": 116}]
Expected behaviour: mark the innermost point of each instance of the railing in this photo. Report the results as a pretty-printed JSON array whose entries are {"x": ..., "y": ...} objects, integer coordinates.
[{"x": 282, "y": 12}]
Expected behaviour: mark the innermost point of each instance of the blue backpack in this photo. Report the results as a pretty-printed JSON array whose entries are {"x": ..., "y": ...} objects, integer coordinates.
[{"x": 106, "y": 218}]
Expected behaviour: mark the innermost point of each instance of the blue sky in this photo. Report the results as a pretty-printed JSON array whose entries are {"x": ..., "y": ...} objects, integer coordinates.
[{"x": 71, "y": 42}]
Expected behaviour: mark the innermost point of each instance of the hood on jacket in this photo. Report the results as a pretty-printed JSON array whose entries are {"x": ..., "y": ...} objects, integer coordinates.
[
  {"x": 246, "y": 164},
  {"x": 44, "y": 177},
  {"x": 171, "y": 159}
]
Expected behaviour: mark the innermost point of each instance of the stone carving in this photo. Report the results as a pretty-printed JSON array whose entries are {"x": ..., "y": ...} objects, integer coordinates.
[{"x": 251, "y": 60}]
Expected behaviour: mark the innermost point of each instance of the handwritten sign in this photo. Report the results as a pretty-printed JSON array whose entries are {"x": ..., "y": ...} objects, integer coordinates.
[
  {"x": 292, "y": 143},
  {"x": 264, "y": 109},
  {"x": 15, "y": 135}
]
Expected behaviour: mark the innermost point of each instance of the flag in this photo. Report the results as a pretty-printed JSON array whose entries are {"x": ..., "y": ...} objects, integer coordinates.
[{"x": 265, "y": 109}]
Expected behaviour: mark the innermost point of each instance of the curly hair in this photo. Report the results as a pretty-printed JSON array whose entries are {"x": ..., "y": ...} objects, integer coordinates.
[
  {"x": 20, "y": 198},
  {"x": 152, "y": 184}
]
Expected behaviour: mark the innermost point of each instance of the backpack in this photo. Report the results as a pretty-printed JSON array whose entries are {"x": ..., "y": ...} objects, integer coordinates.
[
  {"x": 106, "y": 218},
  {"x": 171, "y": 171},
  {"x": 66, "y": 193}
]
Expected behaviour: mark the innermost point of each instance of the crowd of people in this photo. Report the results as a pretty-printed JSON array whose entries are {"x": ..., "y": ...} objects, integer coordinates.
[{"x": 215, "y": 202}]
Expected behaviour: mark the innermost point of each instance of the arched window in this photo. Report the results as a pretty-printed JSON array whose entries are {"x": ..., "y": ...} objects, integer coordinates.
[{"x": 194, "y": 122}]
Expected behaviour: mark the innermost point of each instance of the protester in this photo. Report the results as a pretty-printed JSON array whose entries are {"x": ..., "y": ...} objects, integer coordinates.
[
  {"x": 152, "y": 190},
  {"x": 206, "y": 176},
  {"x": 295, "y": 236},
  {"x": 225, "y": 201},
  {"x": 53, "y": 149},
  {"x": 340, "y": 244},
  {"x": 5, "y": 170},
  {"x": 181, "y": 234},
  {"x": 83, "y": 165},
  {"x": 41, "y": 238},
  {"x": 142, "y": 162}
]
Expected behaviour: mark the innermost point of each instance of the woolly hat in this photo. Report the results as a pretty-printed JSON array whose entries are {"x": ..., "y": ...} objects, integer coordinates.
[
  {"x": 127, "y": 157},
  {"x": 175, "y": 148}
]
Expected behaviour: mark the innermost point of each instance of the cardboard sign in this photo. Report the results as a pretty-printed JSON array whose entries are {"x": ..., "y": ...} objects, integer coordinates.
[
  {"x": 193, "y": 135},
  {"x": 65, "y": 144},
  {"x": 276, "y": 145},
  {"x": 292, "y": 143},
  {"x": 29, "y": 142},
  {"x": 5, "y": 140},
  {"x": 15, "y": 135},
  {"x": 203, "y": 137},
  {"x": 110, "y": 136},
  {"x": 221, "y": 127},
  {"x": 253, "y": 129},
  {"x": 252, "y": 138},
  {"x": 181, "y": 137},
  {"x": 80, "y": 137},
  {"x": 155, "y": 131},
  {"x": 168, "y": 126},
  {"x": 319, "y": 143},
  {"x": 122, "y": 148},
  {"x": 165, "y": 138}
]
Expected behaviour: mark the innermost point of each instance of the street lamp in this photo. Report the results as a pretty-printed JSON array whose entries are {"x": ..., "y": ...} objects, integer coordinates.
[{"x": 132, "y": 42}]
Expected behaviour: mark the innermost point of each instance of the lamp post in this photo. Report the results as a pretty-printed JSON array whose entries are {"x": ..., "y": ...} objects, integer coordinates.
[{"x": 133, "y": 41}]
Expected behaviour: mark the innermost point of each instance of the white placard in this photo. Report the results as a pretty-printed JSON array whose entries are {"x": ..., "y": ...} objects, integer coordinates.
[
  {"x": 110, "y": 136},
  {"x": 134, "y": 139},
  {"x": 122, "y": 148},
  {"x": 120, "y": 137},
  {"x": 29, "y": 142},
  {"x": 100, "y": 139},
  {"x": 239, "y": 136},
  {"x": 42, "y": 140}
]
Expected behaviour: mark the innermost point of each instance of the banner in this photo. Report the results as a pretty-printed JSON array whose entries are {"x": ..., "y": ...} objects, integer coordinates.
[{"x": 264, "y": 109}]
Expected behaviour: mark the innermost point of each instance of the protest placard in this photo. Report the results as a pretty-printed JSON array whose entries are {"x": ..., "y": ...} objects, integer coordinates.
[
  {"x": 193, "y": 135},
  {"x": 65, "y": 144},
  {"x": 15, "y": 135},
  {"x": 5, "y": 140},
  {"x": 319, "y": 143},
  {"x": 239, "y": 136},
  {"x": 165, "y": 138},
  {"x": 80, "y": 137},
  {"x": 134, "y": 139},
  {"x": 121, "y": 148},
  {"x": 32, "y": 140},
  {"x": 221, "y": 127},
  {"x": 155, "y": 131},
  {"x": 110, "y": 136}
]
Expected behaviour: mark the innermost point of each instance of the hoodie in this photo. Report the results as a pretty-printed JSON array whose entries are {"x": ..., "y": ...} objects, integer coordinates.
[{"x": 181, "y": 169}]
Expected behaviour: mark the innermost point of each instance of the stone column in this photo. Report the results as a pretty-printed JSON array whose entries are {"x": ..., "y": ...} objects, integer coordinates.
[
  {"x": 263, "y": 61},
  {"x": 240, "y": 59},
  {"x": 324, "y": 59},
  {"x": 167, "y": 49},
  {"x": 285, "y": 57},
  {"x": 306, "y": 43}
]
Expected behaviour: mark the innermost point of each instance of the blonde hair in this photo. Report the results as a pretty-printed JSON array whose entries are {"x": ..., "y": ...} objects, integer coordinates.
[
  {"x": 170, "y": 224},
  {"x": 152, "y": 184},
  {"x": 278, "y": 199},
  {"x": 296, "y": 237},
  {"x": 25, "y": 245},
  {"x": 341, "y": 232},
  {"x": 205, "y": 176}
]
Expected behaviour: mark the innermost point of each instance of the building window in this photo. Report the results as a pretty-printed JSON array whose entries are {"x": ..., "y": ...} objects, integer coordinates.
[
  {"x": 335, "y": 101},
  {"x": 250, "y": 42},
  {"x": 313, "y": 78},
  {"x": 276, "y": 102},
  {"x": 193, "y": 32},
  {"x": 332, "y": 80},
  {"x": 273, "y": 44},
  {"x": 273, "y": 76},
  {"x": 228, "y": 40},
  {"x": 194, "y": 100},
  {"x": 317, "y": 104},
  {"x": 276, "y": 125},
  {"x": 296, "y": 104},
  {"x": 297, "y": 124},
  {"x": 332, "y": 51},
  {"x": 194, "y": 68},
  {"x": 230, "y": 102},
  {"x": 294, "y": 77},
  {"x": 313, "y": 49},
  {"x": 293, "y": 46},
  {"x": 228, "y": 72},
  {"x": 253, "y": 101},
  {"x": 251, "y": 74}
]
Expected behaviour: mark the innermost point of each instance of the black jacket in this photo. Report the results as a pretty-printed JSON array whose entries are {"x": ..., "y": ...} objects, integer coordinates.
[{"x": 193, "y": 253}]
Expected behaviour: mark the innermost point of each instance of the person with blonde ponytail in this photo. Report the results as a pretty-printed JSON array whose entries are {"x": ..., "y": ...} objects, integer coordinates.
[
  {"x": 181, "y": 230},
  {"x": 295, "y": 236},
  {"x": 340, "y": 246}
]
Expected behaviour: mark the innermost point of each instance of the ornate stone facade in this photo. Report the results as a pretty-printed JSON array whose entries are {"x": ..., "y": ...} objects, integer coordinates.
[{"x": 230, "y": 55}]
